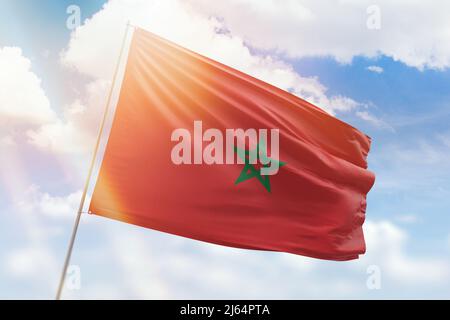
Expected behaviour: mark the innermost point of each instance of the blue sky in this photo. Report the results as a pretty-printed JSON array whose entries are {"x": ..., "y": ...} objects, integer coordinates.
[
  {"x": 404, "y": 108},
  {"x": 414, "y": 104}
]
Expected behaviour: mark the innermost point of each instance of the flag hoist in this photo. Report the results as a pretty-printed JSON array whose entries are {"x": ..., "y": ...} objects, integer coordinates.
[{"x": 91, "y": 166}]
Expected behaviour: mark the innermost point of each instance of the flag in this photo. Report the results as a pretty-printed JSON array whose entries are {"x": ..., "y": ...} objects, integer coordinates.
[{"x": 200, "y": 150}]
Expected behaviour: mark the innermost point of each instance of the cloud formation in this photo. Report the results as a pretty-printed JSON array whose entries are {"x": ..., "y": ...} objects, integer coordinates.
[
  {"x": 375, "y": 69},
  {"x": 23, "y": 102},
  {"x": 179, "y": 22},
  {"x": 74, "y": 132},
  {"x": 158, "y": 265},
  {"x": 339, "y": 29}
]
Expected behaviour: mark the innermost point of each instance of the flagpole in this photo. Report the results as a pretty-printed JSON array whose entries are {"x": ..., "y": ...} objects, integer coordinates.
[{"x": 91, "y": 169}]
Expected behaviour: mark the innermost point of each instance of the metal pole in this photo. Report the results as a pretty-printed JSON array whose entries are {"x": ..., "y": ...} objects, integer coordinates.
[{"x": 91, "y": 168}]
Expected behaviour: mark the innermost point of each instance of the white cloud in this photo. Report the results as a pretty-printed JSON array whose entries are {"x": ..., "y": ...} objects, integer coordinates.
[
  {"x": 178, "y": 22},
  {"x": 386, "y": 247},
  {"x": 39, "y": 222},
  {"x": 427, "y": 153},
  {"x": 31, "y": 262},
  {"x": 444, "y": 138},
  {"x": 58, "y": 207},
  {"x": 375, "y": 69},
  {"x": 41, "y": 203},
  {"x": 317, "y": 28},
  {"x": 146, "y": 268},
  {"x": 417, "y": 167},
  {"x": 7, "y": 141},
  {"x": 74, "y": 133},
  {"x": 407, "y": 218},
  {"x": 379, "y": 123},
  {"x": 22, "y": 99},
  {"x": 26, "y": 115},
  {"x": 157, "y": 265}
]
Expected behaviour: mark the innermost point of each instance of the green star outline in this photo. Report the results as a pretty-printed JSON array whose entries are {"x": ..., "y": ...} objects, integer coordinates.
[{"x": 250, "y": 172}]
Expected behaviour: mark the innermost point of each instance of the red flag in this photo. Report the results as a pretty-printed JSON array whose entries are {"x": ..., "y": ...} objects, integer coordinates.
[{"x": 201, "y": 150}]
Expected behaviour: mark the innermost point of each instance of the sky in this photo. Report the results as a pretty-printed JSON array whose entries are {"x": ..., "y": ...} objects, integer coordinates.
[{"x": 376, "y": 66}]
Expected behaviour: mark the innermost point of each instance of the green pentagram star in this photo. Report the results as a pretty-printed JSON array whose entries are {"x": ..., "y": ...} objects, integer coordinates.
[{"x": 249, "y": 171}]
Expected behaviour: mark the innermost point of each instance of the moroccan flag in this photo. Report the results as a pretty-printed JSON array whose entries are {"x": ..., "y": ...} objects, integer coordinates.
[{"x": 201, "y": 150}]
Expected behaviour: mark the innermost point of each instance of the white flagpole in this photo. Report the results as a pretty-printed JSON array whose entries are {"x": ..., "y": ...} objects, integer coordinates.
[{"x": 91, "y": 168}]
